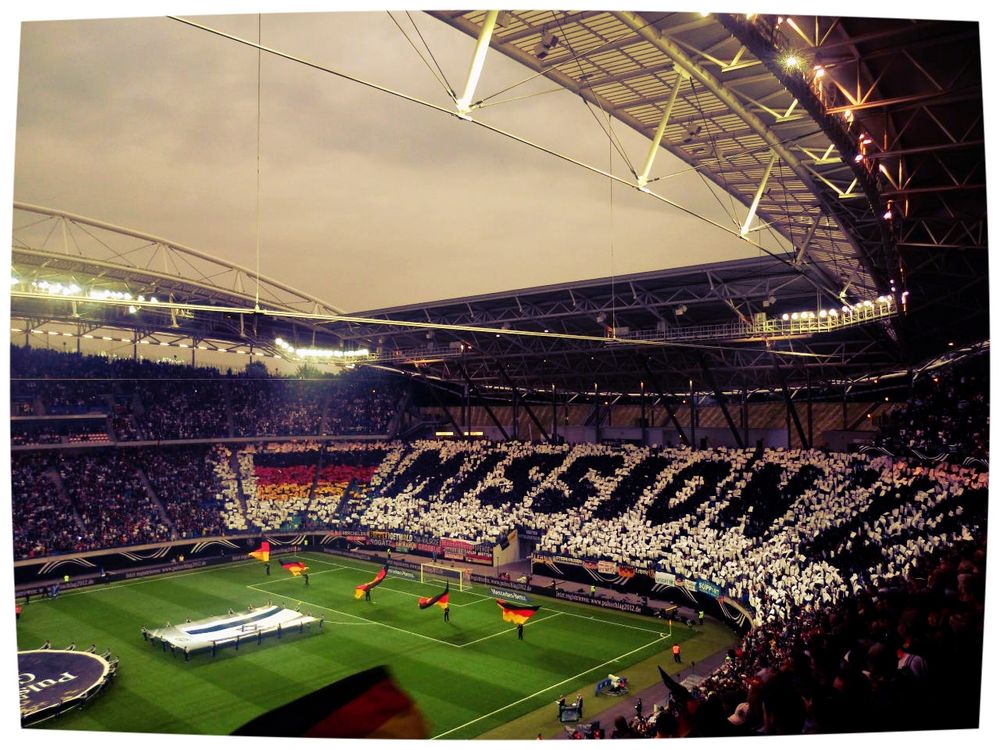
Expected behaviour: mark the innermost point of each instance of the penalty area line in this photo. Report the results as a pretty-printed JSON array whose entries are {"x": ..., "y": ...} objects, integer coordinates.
[
  {"x": 97, "y": 587},
  {"x": 532, "y": 621},
  {"x": 357, "y": 617},
  {"x": 383, "y": 587}
]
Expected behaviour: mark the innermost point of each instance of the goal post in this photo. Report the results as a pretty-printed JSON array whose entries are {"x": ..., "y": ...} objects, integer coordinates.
[{"x": 436, "y": 573}]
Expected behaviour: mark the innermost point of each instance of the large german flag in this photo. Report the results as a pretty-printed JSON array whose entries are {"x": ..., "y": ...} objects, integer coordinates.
[
  {"x": 365, "y": 705},
  {"x": 517, "y": 613},
  {"x": 440, "y": 599},
  {"x": 359, "y": 591},
  {"x": 264, "y": 553},
  {"x": 295, "y": 567}
]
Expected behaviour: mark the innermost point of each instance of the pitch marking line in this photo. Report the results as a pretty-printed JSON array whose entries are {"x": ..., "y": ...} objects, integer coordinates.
[
  {"x": 359, "y": 617},
  {"x": 659, "y": 633},
  {"x": 532, "y": 621},
  {"x": 95, "y": 588},
  {"x": 484, "y": 597},
  {"x": 546, "y": 689},
  {"x": 285, "y": 580},
  {"x": 383, "y": 587}
]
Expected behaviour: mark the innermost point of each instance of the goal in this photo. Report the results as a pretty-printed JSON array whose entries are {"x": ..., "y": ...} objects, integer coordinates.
[{"x": 436, "y": 573}]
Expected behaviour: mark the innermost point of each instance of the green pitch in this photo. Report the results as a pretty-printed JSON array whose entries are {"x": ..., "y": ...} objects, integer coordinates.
[{"x": 469, "y": 676}]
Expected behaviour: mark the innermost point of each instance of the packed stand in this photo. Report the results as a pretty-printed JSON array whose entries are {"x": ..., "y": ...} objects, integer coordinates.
[
  {"x": 111, "y": 501},
  {"x": 43, "y": 522},
  {"x": 53, "y": 431},
  {"x": 184, "y": 480},
  {"x": 902, "y": 655},
  {"x": 298, "y": 484},
  {"x": 161, "y": 401},
  {"x": 776, "y": 529},
  {"x": 179, "y": 410},
  {"x": 947, "y": 413}
]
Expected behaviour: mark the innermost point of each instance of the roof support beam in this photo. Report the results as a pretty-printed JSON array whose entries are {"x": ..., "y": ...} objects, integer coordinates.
[
  {"x": 791, "y": 406},
  {"x": 525, "y": 404},
  {"x": 665, "y": 45},
  {"x": 437, "y": 399},
  {"x": 654, "y": 145},
  {"x": 482, "y": 400},
  {"x": 671, "y": 412},
  {"x": 464, "y": 102},
  {"x": 720, "y": 399},
  {"x": 757, "y": 196}
]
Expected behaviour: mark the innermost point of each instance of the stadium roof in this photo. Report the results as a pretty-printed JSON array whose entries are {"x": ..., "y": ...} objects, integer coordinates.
[
  {"x": 859, "y": 140},
  {"x": 887, "y": 199}
]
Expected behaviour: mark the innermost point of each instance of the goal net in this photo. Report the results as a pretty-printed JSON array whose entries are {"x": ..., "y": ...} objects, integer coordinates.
[{"x": 436, "y": 573}]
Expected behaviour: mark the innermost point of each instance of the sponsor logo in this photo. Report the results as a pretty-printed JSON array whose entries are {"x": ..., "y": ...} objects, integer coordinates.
[
  {"x": 606, "y": 603},
  {"x": 506, "y": 585},
  {"x": 606, "y": 567},
  {"x": 351, "y": 553},
  {"x": 456, "y": 544},
  {"x": 148, "y": 571},
  {"x": 665, "y": 579},
  {"x": 31, "y": 684},
  {"x": 566, "y": 560},
  {"x": 707, "y": 587},
  {"x": 49, "y": 679},
  {"x": 509, "y": 595}
]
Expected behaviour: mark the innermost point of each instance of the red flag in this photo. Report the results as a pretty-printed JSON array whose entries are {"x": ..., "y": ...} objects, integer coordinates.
[
  {"x": 365, "y": 705},
  {"x": 359, "y": 591},
  {"x": 295, "y": 567},
  {"x": 429, "y": 601},
  {"x": 517, "y": 613},
  {"x": 264, "y": 553}
]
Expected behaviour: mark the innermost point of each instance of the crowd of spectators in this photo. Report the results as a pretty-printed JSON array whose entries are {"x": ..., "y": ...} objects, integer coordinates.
[
  {"x": 111, "y": 501},
  {"x": 162, "y": 401},
  {"x": 178, "y": 410},
  {"x": 947, "y": 413},
  {"x": 902, "y": 655},
  {"x": 185, "y": 482},
  {"x": 777, "y": 529},
  {"x": 44, "y": 524},
  {"x": 299, "y": 484}
]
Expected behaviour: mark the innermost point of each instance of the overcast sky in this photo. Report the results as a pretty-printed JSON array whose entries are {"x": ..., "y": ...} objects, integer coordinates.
[{"x": 366, "y": 200}]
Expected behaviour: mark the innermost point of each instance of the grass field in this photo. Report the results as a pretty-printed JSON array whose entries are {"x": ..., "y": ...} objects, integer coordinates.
[{"x": 470, "y": 677}]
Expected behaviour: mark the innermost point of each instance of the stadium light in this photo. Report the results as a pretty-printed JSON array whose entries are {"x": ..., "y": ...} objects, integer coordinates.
[{"x": 314, "y": 353}]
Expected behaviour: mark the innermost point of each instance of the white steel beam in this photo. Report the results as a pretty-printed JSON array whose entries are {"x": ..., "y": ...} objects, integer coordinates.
[
  {"x": 757, "y": 196},
  {"x": 654, "y": 145},
  {"x": 464, "y": 102}
]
